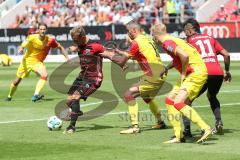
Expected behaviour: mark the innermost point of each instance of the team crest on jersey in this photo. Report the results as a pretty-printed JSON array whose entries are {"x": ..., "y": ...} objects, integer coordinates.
[{"x": 88, "y": 52}]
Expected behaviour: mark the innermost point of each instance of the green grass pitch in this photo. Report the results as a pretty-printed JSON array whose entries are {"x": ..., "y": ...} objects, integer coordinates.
[{"x": 24, "y": 134}]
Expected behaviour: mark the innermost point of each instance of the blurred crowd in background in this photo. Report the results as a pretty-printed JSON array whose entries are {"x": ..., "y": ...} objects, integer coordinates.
[
  {"x": 70, "y": 13},
  {"x": 62, "y": 13}
]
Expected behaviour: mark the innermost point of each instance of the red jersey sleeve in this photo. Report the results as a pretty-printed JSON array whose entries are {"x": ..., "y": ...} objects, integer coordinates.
[
  {"x": 218, "y": 47},
  {"x": 53, "y": 43},
  {"x": 169, "y": 46},
  {"x": 98, "y": 48},
  {"x": 134, "y": 49}
]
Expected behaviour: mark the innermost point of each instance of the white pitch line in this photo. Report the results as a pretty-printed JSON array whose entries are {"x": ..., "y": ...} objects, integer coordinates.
[
  {"x": 120, "y": 100},
  {"x": 114, "y": 113},
  {"x": 24, "y": 120},
  {"x": 202, "y": 106},
  {"x": 230, "y": 91}
]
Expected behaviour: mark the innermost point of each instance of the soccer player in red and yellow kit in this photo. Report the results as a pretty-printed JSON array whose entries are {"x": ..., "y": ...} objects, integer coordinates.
[
  {"x": 209, "y": 48},
  {"x": 142, "y": 50},
  {"x": 189, "y": 63},
  {"x": 37, "y": 47}
]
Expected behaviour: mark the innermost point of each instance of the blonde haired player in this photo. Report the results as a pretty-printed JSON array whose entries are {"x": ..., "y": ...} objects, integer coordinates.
[
  {"x": 145, "y": 53},
  {"x": 189, "y": 63},
  {"x": 5, "y": 60},
  {"x": 37, "y": 47}
]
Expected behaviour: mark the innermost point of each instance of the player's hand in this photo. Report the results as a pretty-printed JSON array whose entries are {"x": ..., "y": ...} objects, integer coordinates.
[
  {"x": 117, "y": 51},
  {"x": 73, "y": 48},
  {"x": 164, "y": 72},
  {"x": 227, "y": 77},
  {"x": 20, "y": 50}
]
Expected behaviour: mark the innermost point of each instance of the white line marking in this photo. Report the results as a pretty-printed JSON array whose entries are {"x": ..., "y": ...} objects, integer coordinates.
[
  {"x": 114, "y": 113},
  {"x": 229, "y": 91},
  {"x": 120, "y": 100},
  {"x": 202, "y": 106},
  {"x": 24, "y": 120}
]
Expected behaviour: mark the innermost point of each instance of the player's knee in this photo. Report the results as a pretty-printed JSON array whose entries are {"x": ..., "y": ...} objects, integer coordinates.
[
  {"x": 75, "y": 106},
  {"x": 188, "y": 101},
  {"x": 171, "y": 95},
  {"x": 134, "y": 89},
  {"x": 76, "y": 97},
  {"x": 69, "y": 101},
  {"x": 16, "y": 82}
]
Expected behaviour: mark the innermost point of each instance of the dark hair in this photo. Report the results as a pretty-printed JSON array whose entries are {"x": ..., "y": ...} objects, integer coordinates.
[
  {"x": 42, "y": 24},
  {"x": 194, "y": 24}
]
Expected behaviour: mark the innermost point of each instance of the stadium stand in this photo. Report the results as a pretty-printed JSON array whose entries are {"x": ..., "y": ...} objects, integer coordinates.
[
  {"x": 60, "y": 13},
  {"x": 227, "y": 13},
  {"x": 70, "y": 13}
]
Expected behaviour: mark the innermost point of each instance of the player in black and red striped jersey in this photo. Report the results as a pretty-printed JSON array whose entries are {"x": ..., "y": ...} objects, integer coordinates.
[
  {"x": 209, "y": 48},
  {"x": 90, "y": 78}
]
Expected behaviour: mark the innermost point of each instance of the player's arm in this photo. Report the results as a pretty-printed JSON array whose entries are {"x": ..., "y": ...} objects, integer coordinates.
[
  {"x": 116, "y": 57},
  {"x": 24, "y": 44},
  {"x": 73, "y": 48},
  {"x": 166, "y": 68},
  {"x": 64, "y": 53},
  {"x": 184, "y": 58},
  {"x": 226, "y": 57},
  {"x": 104, "y": 52},
  {"x": 121, "y": 57},
  {"x": 54, "y": 44}
]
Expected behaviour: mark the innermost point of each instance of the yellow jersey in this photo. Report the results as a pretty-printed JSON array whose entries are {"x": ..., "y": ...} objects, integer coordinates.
[
  {"x": 144, "y": 51},
  {"x": 195, "y": 61},
  {"x": 36, "y": 49}
]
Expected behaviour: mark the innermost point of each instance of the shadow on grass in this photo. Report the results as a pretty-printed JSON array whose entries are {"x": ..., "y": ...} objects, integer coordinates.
[
  {"x": 94, "y": 127},
  {"x": 149, "y": 128},
  {"x": 49, "y": 99},
  {"x": 226, "y": 131},
  {"x": 196, "y": 136}
]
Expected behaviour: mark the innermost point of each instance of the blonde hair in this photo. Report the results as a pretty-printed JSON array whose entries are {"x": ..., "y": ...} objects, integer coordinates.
[
  {"x": 158, "y": 29},
  {"x": 79, "y": 30}
]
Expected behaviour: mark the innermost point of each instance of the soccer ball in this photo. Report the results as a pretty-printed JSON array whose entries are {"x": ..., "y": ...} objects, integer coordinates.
[{"x": 54, "y": 123}]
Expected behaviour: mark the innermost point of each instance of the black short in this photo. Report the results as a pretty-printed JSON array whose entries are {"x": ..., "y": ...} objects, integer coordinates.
[
  {"x": 84, "y": 87},
  {"x": 213, "y": 84}
]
